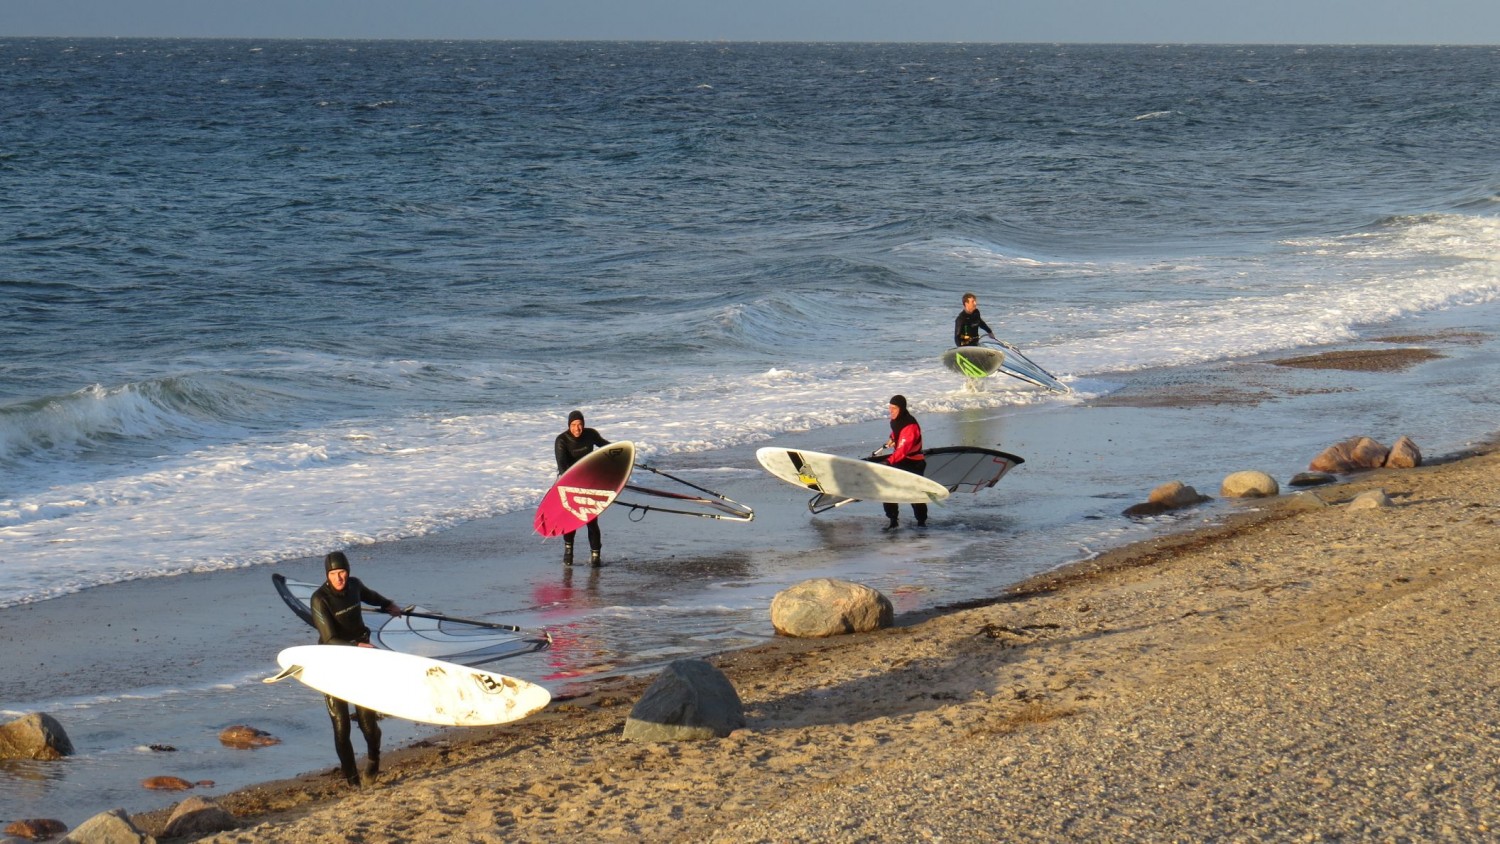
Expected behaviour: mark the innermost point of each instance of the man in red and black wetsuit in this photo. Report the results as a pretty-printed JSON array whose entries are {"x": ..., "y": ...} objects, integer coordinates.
[
  {"x": 336, "y": 609},
  {"x": 906, "y": 453}
]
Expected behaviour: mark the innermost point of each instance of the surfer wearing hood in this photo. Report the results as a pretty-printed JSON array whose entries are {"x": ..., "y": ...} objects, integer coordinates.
[
  {"x": 969, "y": 323},
  {"x": 336, "y": 609},
  {"x": 571, "y": 446},
  {"x": 906, "y": 453}
]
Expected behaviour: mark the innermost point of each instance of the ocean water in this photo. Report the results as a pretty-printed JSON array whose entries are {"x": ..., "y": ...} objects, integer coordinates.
[
  {"x": 264, "y": 299},
  {"x": 347, "y": 291}
]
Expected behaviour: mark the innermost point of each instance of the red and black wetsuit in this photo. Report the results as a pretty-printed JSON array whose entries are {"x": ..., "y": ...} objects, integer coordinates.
[
  {"x": 907, "y": 454},
  {"x": 337, "y": 616}
]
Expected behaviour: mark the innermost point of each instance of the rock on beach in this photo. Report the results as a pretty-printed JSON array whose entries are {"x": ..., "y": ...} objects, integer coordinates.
[
  {"x": 827, "y": 606},
  {"x": 36, "y": 735}
]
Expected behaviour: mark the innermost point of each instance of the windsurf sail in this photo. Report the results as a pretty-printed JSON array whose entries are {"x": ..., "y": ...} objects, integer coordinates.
[
  {"x": 1018, "y": 365},
  {"x": 424, "y": 633},
  {"x": 708, "y": 504},
  {"x": 959, "y": 468}
]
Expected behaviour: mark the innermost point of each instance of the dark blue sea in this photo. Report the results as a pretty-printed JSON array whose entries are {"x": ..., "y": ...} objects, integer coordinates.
[{"x": 264, "y": 299}]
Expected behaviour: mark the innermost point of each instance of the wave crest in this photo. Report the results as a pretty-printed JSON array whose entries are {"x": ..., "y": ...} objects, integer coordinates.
[{"x": 99, "y": 418}]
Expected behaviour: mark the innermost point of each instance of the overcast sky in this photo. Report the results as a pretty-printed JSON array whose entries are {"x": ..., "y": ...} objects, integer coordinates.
[{"x": 1117, "y": 21}]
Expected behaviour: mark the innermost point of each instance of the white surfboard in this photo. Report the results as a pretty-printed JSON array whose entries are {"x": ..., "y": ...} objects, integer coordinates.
[
  {"x": 412, "y": 687},
  {"x": 849, "y": 478}
]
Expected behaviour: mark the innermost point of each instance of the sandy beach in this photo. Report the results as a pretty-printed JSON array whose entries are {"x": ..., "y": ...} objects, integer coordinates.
[{"x": 1294, "y": 673}]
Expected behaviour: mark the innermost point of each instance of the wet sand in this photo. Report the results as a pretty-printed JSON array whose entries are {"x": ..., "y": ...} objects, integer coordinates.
[{"x": 1294, "y": 673}]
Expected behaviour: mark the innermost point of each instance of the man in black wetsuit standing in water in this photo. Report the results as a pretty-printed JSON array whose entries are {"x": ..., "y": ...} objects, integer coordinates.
[
  {"x": 570, "y": 447},
  {"x": 336, "y": 610},
  {"x": 967, "y": 326}
]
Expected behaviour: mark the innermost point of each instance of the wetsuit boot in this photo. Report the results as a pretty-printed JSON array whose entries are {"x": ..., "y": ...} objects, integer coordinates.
[
  {"x": 594, "y": 558},
  {"x": 567, "y": 553},
  {"x": 338, "y": 712},
  {"x": 369, "y": 724}
]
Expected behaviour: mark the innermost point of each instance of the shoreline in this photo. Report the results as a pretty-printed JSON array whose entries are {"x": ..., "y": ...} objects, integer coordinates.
[{"x": 1047, "y": 671}]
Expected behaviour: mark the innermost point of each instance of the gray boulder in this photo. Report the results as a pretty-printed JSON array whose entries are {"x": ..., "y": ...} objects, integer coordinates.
[
  {"x": 1249, "y": 484},
  {"x": 827, "y": 606},
  {"x": 34, "y": 736},
  {"x": 1306, "y": 501},
  {"x": 112, "y": 827},
  {"x": 196, "y": 817},
  {"x": 690, "y": 701},
  {"x": 1370, "y": 499},
  {"x": 1311, "y": 479}
]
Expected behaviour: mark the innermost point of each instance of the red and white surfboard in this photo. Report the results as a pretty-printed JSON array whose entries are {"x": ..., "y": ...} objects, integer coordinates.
[{"x": 585, "y": 490}]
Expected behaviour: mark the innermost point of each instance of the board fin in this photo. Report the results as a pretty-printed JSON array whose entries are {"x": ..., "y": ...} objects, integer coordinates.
[{"x": 289, "y": 671}]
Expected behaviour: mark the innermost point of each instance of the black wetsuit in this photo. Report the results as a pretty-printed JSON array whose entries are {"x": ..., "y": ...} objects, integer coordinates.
[
  {"x": 569, "y": 450},
  {"x": 337, "y": 617},
  {"x": 966, "y": 328}
]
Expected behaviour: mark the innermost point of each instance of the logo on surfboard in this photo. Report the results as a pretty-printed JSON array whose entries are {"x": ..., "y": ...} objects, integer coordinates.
[
  {"x": 584, "y": 503},
  {"x": 968, "y": 367},
  {"x": 805, "y": 473}
]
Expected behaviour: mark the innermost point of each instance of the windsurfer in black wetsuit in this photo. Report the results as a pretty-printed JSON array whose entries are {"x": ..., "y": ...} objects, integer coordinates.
[
  {"x": 570, "y": 447},
  {"x": 969, "y": 323},
  {"x": 336, "y": 609}
]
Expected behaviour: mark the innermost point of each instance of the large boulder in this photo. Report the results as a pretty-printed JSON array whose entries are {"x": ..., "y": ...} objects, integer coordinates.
[
  {"x": 196, "y": 817},
  {"x": 1172, "y": 495},
  {"x": 827, "y": 606},
  {"x": 112, "y": 827},
  {"x": 1176, "y": 494},
  {"x": 34, "y": 736},
  {"x": 1249, "y": 484},
  {"x": 690, "y": 701},
  {"x": 1404, "y": 455},
  {"x": 1352, "y": 455}
]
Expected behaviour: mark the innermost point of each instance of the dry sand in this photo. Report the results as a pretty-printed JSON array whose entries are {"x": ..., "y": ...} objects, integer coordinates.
[{"x": 1296, "y": 674}]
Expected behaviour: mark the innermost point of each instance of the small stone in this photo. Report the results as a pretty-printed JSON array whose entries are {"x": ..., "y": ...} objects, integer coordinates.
[
  {"x": 36, "y": 829},
  {"x": 1372, "y": 499},
  {"x": 244, "y": 737}
]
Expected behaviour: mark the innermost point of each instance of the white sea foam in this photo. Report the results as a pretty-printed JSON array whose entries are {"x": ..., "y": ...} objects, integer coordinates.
[{"x": 300, "y": 492}]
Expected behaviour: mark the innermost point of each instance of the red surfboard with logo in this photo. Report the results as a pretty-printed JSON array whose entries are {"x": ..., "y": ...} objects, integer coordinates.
[{"x": 585, "y": 490}]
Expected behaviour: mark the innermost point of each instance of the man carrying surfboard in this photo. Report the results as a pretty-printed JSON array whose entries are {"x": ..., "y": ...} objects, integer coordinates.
[
  {"x": 906, "y": 453},
  {"x": 571, "y": 446},
  {"x": 967, "y": 326},
  {"x": 336, "y": 609}
]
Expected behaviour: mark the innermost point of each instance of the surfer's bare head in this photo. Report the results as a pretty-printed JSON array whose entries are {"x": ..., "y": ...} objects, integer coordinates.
[{"x": 970, "y": 302}]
